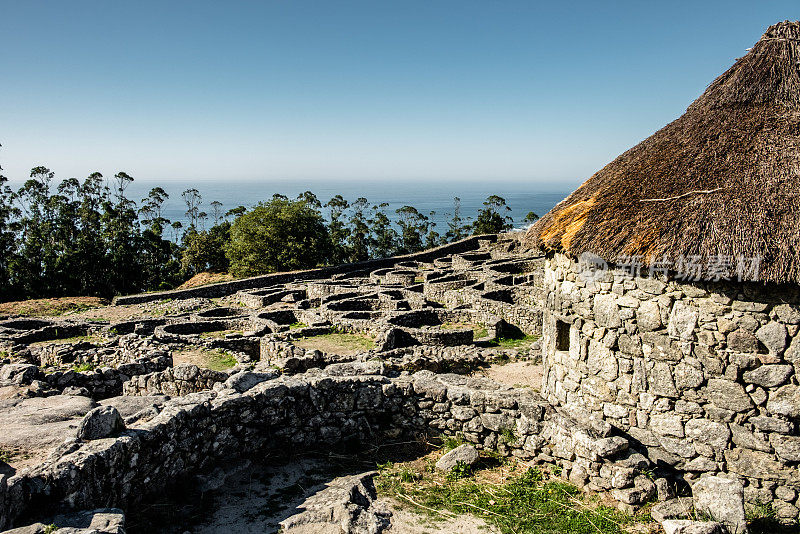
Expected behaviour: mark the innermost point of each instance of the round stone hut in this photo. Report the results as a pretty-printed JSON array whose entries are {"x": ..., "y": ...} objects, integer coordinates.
[{"x": 672, "y": 302}]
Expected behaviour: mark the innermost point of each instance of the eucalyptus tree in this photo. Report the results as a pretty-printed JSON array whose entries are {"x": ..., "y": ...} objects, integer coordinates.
[
  {"x": 337, "y": 229},
  {"x": 385, "y": 239},
  {"x": 413, "y": 229},
  {"x": 493, "y": 218}
]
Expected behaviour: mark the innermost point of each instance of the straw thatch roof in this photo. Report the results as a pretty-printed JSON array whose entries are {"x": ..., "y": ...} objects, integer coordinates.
[{"x": 723, "y": 179}]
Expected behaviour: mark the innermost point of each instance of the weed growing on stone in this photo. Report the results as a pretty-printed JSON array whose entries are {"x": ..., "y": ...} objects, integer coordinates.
[
  {"x": 508, "y": 436},
  {"x": 295, "y": 326},
  {"x": 451, "y": 442},
  {"x": 5, "y": 455},
  {"x": 762, "y": 519},
  {"x": 86, "y": 366}
]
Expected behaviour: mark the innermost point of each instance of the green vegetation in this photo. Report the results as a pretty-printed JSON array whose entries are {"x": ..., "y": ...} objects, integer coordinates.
[
  {"x": 82, "y": 368},
  {"x": 508, "y": 436},
  {"x": 517, "y": 343},
  {"x": 88, "y": 238},
  {"x": 51, "y": 528},
  {"x": 527, "y": 502},
  {"x": 220, "y": 361},
  {"x": 278, "y": 235},
  {"x": 214, "y": 359},
  {"x": 493, "y": 218},
  {"x": 337, "y": 343},
  {"x": 295, "y": 326},
  {"x": 460, "y": 470},
  {"x": 5, "y": 455},
  {"x": 762, "y": 519},
  {"x": 451, "y": 442}
]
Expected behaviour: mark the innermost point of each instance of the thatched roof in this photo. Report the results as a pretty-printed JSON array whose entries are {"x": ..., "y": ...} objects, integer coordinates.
[{"x": 723, "y": 179}]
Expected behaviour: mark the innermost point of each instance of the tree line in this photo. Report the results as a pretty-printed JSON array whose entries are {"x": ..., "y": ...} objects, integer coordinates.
[{"x": 88, "y": 238}]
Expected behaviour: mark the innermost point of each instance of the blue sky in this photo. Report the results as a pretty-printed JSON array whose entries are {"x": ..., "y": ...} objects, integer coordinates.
[{"x": 404, "y": 90}]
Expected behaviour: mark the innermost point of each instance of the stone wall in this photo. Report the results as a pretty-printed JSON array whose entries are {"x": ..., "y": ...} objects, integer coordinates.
[
  {"x": 227, "y": 288},
  {"x": 309, "y": 412},
  {"x": 175, "y": 381},
  {"x": 703, "y": 375}
]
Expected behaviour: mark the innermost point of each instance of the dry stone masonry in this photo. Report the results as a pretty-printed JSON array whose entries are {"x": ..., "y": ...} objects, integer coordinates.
[
  {"x": 702, "y": 377},
  {"x": 641, "y": 377}
]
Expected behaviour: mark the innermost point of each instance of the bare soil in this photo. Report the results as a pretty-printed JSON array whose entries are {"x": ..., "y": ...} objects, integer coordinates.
[{"x": 518, "y": 374}]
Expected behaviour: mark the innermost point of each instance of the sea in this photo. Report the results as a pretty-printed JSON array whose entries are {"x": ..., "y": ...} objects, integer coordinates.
[{"x": 432, "y": 198}]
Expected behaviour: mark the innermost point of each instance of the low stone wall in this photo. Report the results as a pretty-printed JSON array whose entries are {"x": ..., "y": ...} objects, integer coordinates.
[
  {"x": 193, "y": 432},
  {"x": 703, "y": 375},
  {"x": 114, "y": 364},
  {"x": 228, "y": 288},
  {"x": 113, "y": 353},
  {"x": 175, "y": 381},
  {"x": 25, "y": 331},
  {"x": 106, "y": 382}
]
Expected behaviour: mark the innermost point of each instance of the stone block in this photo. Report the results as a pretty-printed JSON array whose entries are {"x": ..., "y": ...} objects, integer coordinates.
[
  {"x": 709, "y": 432},
  {"x": 785, "y": 401},
  {"x": 723, "y": 500},
  {"x": 463, "y": 454},
  {"x": 728, "y": 394},
  {"x": 769, "y": 375},
  {"x": 682, "y": 321},
  {"x": 773, "y": 336},
  {"x": 606, "y": 311}
]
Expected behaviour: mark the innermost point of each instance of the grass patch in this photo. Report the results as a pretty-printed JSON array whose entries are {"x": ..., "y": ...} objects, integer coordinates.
[
  {"x": 762, "y": 519},
  {"x": 337, "y": 343},
  {"x": 214, "y": 359},
  {"x": 451, "y": 442},
  {"x": 523, "y": 502},
  {"x": 87, "y": 366},
  {"x": 295, "y": 326},
  {"x": 50, "y": 307},
  {"x": 5, "y": 455},
  {"x": 516, "y": 343}
]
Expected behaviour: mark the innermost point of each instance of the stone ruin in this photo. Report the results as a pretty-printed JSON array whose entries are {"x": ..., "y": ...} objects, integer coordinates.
[{"x": 639, "y": 398}]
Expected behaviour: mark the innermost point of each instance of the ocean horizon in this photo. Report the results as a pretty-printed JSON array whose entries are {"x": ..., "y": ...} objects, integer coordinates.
[{"x": 426, "y": 196}]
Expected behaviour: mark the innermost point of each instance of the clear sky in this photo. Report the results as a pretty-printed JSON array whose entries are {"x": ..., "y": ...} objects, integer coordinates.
[{"x": 431, "y": 90}]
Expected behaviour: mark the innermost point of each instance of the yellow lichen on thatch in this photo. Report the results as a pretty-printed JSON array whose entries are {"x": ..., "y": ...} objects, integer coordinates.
[
  {"x": 642, "y": 244},
  {"x": 568, "y": 222}
]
